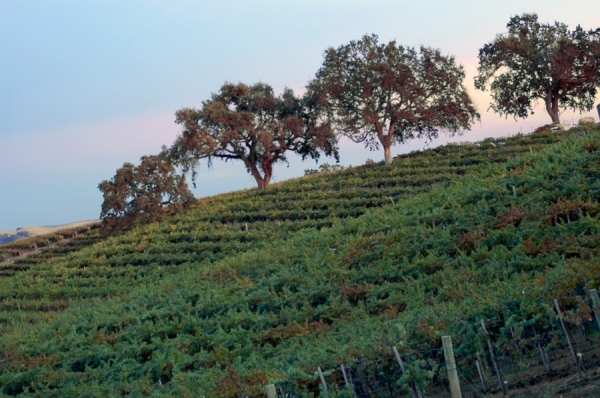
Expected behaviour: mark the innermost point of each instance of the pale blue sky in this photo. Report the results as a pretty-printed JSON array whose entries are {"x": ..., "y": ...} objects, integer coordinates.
[{"x": 88, "y": 85}]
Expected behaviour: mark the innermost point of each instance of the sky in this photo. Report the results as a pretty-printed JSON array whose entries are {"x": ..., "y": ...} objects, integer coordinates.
[{"x": 86, "y": 86}]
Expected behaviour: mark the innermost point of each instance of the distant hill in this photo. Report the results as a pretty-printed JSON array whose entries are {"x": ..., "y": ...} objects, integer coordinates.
[
  {"x": 11, "y": 237},
  {"x": 8, "y": 236}
]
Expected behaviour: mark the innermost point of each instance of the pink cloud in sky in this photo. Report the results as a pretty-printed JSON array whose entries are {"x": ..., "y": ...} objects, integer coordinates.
[
  {"x": 101, "y": 145},
  {"x": 493, "y": 124},
  {"x": 106, "y": 145}
]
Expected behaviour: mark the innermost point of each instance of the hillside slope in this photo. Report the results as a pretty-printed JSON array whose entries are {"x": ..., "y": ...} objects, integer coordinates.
[
  {"x": 7, "y": 236},
  {"x": 309, "y": 202},
  {"x": 256, "y": 287}
]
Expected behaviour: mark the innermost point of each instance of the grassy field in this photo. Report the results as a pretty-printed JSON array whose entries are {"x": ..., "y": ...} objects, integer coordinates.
[{"x": 254, "y": 287}]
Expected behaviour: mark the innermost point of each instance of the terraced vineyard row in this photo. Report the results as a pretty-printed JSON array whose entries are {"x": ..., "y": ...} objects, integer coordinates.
[
  {"x": 22, "y": 254},
  {"x": 247, "y": 219},
  {"x": 321, "y": 262}
]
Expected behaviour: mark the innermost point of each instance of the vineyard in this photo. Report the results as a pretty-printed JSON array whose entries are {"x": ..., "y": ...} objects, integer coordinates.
[{"x": 258, "y": 287}]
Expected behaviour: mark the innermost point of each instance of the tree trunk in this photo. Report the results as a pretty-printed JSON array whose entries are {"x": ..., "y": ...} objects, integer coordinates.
[
  {"x": 552, "y": 108},
  {"x": 386, "y": 140},
  {"x": 262, "y": 184},
  {"x": 261, "y": 181},
  {"x": 268, "y": 167},
  {"x": 388, "y": 153}
]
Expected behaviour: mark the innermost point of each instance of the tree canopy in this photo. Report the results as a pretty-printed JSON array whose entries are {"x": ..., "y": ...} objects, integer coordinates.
[
  {"x": 382, "y": 94},
  {"x": 546, "y": 62},
  {"x": 251, "y": 124},
  {"x": 144, "y": 193}
]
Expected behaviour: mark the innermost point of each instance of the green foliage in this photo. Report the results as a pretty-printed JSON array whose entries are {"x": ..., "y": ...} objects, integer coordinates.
[
  {"x": 325, "y": 167},
  {"x": 264, "y": 286},
  {"x": 45, "y": 248}
]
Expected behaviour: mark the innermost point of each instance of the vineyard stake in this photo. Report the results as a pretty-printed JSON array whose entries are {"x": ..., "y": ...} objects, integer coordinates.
[
  {"x": 564, "y": 328},
  {"x": 512, "y": 333},
  {"x": 323, "y": 381},
  {"x": 344, "y": 373},
  {"x": 543, "y": 354},
  {"x": 595, "y": 304},
  {"x": 270, "y": 390},
  {"x": 403, "y": 370},
  {"x": 349, "y": 375},
  {"x": 451, "y": 367},
  {"x": 481, "y": 376},
  {"x": 496, "y": 367},
  {"x": 582, "y": 337},
  {"x": 516, "y": 345}
]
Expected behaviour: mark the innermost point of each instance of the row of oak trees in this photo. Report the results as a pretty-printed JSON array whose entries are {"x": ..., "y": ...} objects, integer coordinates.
[{"x": 378, "y": 94}]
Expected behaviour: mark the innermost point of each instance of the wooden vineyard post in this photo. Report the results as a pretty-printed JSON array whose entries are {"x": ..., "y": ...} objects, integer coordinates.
[
  {"x": 270, "y": 390},
  {"x": 451, "y": 367},
  {"x": 481, "y": 376},
  {"x": 595, "y": 305},
  {"x": 566, "y": 332},
  {"x": 413, "y": 386},
  {"x": 496, "y": 367},
  {"x": 323, "y": 381}
]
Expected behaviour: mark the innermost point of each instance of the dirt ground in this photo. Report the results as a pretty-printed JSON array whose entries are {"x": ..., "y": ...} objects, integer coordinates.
[{"x": 585, "y": 384}]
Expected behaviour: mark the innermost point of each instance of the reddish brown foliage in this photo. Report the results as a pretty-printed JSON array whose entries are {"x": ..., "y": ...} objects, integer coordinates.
[
  {"x": 276, "y": 335},
  {"x": 141, "y": 194},
  {"x": 530, "y": 248},
  {"x": 591, "y": 146},
  {"x": 513, "y": 216},
  {"x": 355, "y": 293},
  {"x": 546, "y": 62},
  {"x": 469, "y": 240},
  {"x": 234, "y": 385},
  {"x": 382, "y": 94},
  {"x": 568, "y": 210},
  {"x": 250, "y": 124},
  {"x": 543, "y": 129},
  {"x": 102, "y": 338},
  {"x": 579, "y": 313}
]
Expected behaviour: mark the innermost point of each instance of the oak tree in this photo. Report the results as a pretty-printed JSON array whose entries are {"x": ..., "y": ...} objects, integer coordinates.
[
  {"x": 383, "y": 94},
  {"x": 535, "y": 61},
  {"x": 143, "y": 193},
  {"x": 251, "y": 124}
]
